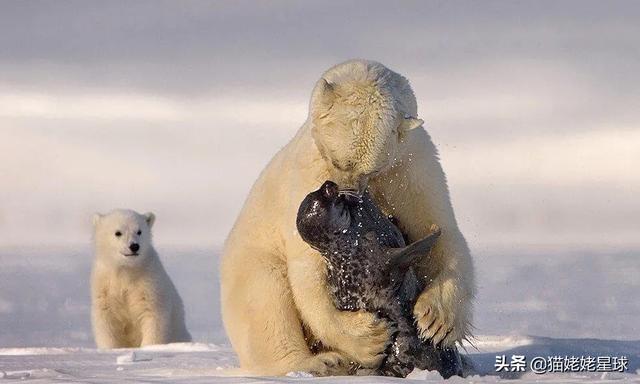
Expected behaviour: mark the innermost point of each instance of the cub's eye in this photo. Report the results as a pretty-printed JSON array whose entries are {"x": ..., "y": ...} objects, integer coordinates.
[
  {"x": 139, "y": 232},
  {"x": 118, "y": 234}
]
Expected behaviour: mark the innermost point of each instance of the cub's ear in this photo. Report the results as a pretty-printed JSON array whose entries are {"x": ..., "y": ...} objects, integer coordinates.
[
  {"x": 323, "y": 98},
  {"x": 410, "y": 123},
  {"x": 96, "y": 218},
  {"x": 150, "y": 218}
]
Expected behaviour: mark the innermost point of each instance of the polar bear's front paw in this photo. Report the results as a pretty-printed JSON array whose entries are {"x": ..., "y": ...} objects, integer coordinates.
[
  {"x": 328, "y": 364},
  {"x": 436, "y": 324},
  {"x": 365, "y": 338}
]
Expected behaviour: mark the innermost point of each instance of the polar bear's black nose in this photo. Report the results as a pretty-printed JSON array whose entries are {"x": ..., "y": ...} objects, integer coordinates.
[{"x": 134, "y": 247}]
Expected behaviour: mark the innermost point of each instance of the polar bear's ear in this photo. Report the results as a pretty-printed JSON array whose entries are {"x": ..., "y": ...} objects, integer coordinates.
[
  {"x": 410, "y": 123},
  {"x": 324, "y": 96},
  {"x": 150, "y": 218},
  {"x": 96, "y": 218}
]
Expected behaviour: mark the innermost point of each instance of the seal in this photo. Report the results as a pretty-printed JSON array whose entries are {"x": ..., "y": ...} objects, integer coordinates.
[{"x": 369, "y": 267}]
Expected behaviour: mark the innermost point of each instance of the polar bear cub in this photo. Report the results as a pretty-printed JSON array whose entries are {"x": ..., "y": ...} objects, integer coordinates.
[{"x": 134, "y": 302}]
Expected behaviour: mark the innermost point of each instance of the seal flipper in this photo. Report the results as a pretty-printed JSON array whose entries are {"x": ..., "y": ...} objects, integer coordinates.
[{"x": 405, "y": 257}]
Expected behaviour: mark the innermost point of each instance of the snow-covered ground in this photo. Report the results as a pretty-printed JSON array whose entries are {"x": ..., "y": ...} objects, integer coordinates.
[{"x": 579, "y": 303}]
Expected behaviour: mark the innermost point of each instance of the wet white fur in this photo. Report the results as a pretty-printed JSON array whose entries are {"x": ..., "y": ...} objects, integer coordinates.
[
  {"x": 362, "y": 130},
  {"x": 134, "y": 302}
]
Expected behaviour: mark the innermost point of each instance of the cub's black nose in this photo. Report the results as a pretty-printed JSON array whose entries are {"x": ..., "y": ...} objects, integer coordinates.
[{"x": 134, "y": 247}]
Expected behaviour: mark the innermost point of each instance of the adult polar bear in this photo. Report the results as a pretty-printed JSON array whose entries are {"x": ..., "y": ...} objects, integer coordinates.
[{"x": 362, "y": 131}]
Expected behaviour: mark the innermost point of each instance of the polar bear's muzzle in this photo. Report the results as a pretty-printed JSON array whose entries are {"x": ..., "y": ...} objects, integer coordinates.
[{"x": 134, "y": 248}]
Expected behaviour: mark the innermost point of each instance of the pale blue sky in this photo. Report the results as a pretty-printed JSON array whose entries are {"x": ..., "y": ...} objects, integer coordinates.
[{"x": 175, "y": 107}]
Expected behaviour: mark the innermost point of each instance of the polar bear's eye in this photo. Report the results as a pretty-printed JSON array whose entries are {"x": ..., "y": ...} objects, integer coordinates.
[
  {"x": 118, "y": 234},
  {"x": 139, "y": 232}
]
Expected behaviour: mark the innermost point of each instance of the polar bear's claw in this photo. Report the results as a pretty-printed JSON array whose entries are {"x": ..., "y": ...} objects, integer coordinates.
[
  {"x": 328, "y": 364},
  {"x": 434, "y": 324},
  {"x": 367, "y": 339}
]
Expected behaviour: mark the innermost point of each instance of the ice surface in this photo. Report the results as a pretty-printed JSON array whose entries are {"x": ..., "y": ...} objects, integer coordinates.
[
  {"x": 583, "y": 303},
  {"x": 132, "y": 357},
  {"x": 217, "y": 364}
]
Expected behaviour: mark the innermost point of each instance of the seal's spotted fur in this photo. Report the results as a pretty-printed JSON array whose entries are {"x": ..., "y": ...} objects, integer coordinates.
[{"x": 370, "y": 268}]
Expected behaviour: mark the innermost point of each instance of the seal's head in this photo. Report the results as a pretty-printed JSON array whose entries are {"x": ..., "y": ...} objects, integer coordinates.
[{"x": 322, "y": 215}]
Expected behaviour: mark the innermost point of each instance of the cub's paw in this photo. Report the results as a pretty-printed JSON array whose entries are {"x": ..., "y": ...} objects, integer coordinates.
[{"x": 365, "y": 338}]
